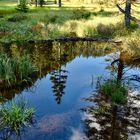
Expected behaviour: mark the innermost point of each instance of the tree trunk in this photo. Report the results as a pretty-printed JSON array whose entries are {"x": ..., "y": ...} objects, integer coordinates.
[
  {"x": 41, "y": 2},
  {"x": 55, "y": 1},
  {"x": 59, "y": 3},
  {"x": 35, "y": 3},
  {"x": 120, "y": 70},
  {"x": 127, "y": 13}
]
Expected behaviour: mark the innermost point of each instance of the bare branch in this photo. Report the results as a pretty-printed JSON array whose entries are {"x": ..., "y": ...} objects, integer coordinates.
[{"x": 123, "y": 11}]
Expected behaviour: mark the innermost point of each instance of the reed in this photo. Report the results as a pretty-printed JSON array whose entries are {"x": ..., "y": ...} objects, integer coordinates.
[
  {"x": 15, "y": 115},
  {"x": 13, "y": 70},
  {"x": 115, "y": 91}
]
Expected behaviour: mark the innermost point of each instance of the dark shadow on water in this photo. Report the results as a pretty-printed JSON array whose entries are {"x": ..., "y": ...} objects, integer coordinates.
[
  {"x": 115, "y": 123},
  {"x": 108, "y": 121}
]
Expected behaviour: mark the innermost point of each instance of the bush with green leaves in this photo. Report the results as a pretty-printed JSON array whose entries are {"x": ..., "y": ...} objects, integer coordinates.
[
  {"x": 115, "y": 91},
  {"x": 22, "y": 6},
  {"x": 15, "y": 70},
  {"x": 15, "y": 115}
]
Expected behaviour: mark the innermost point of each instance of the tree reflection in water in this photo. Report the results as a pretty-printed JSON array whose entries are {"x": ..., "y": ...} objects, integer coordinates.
[
  {"x": 51, "y": 58},
  {"x": 112, "y": 122},
  {"x": 107, "y": 121},
  {"x": 58, "y": 78}
]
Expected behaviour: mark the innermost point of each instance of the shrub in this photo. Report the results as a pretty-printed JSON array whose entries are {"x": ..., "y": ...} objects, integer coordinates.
[
  {"x": 16, "y": 115},
  {"x": 22, "y": 6},
  {"x": 115, "y": 91},
  {"x": 106, "y": 30}
]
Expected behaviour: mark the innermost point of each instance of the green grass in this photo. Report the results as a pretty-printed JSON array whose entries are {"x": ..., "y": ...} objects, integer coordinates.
[
  {"x": 15, "y": 115},
  {"x": 50, "y": 22},
  {"x": 115, "y": 91},
  {"x": 13, "y": 70}
]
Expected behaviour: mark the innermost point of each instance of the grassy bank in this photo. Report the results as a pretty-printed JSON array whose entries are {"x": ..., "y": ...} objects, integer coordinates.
[
  {"x": 46, "y": 24},
  {"x": 51, "y": 22}
]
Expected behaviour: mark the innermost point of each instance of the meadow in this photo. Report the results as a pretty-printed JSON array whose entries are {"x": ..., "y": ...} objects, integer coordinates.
[{"x": 73, "y": 19}]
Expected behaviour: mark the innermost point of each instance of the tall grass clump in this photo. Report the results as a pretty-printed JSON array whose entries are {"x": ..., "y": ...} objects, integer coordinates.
[
  {"x": 55, "y": 31},
  {"x": 15, "y": 70},
  {"x": 105, "y": 30},
  {"x": 132, "y": 45},
  {"x": 115, "y": 91},
  {"x": 15, "y": 115},
  {"x": 90, "y": 31}
]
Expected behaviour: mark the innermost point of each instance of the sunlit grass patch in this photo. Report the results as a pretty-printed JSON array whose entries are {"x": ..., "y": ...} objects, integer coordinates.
[
  {"x": 69, "y": 22},
  {"x": 132, "y": 45}
]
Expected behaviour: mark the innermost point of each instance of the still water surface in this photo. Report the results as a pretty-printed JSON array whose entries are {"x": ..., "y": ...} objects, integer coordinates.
[{"x": 68, "y": 73}]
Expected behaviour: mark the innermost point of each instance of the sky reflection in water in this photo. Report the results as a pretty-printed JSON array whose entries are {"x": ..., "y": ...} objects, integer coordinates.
[{"x": 58, "y": 95}]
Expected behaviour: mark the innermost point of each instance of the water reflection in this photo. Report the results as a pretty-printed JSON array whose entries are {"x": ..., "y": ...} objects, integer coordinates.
[
  {"x": 106, "y": 121},
  {"x": 115, "y": 122},
  {"x": 124, "y": 68},
  {"x": 58, "y": 78},
  {"x": 56, "y": 63},
  {"x": 50, "y": 58}
]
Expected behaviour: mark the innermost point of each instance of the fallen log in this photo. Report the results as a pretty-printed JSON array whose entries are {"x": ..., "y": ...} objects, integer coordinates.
[
  {"x": 76, "y": 39},
  {"x": 66, "y": 39}
]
